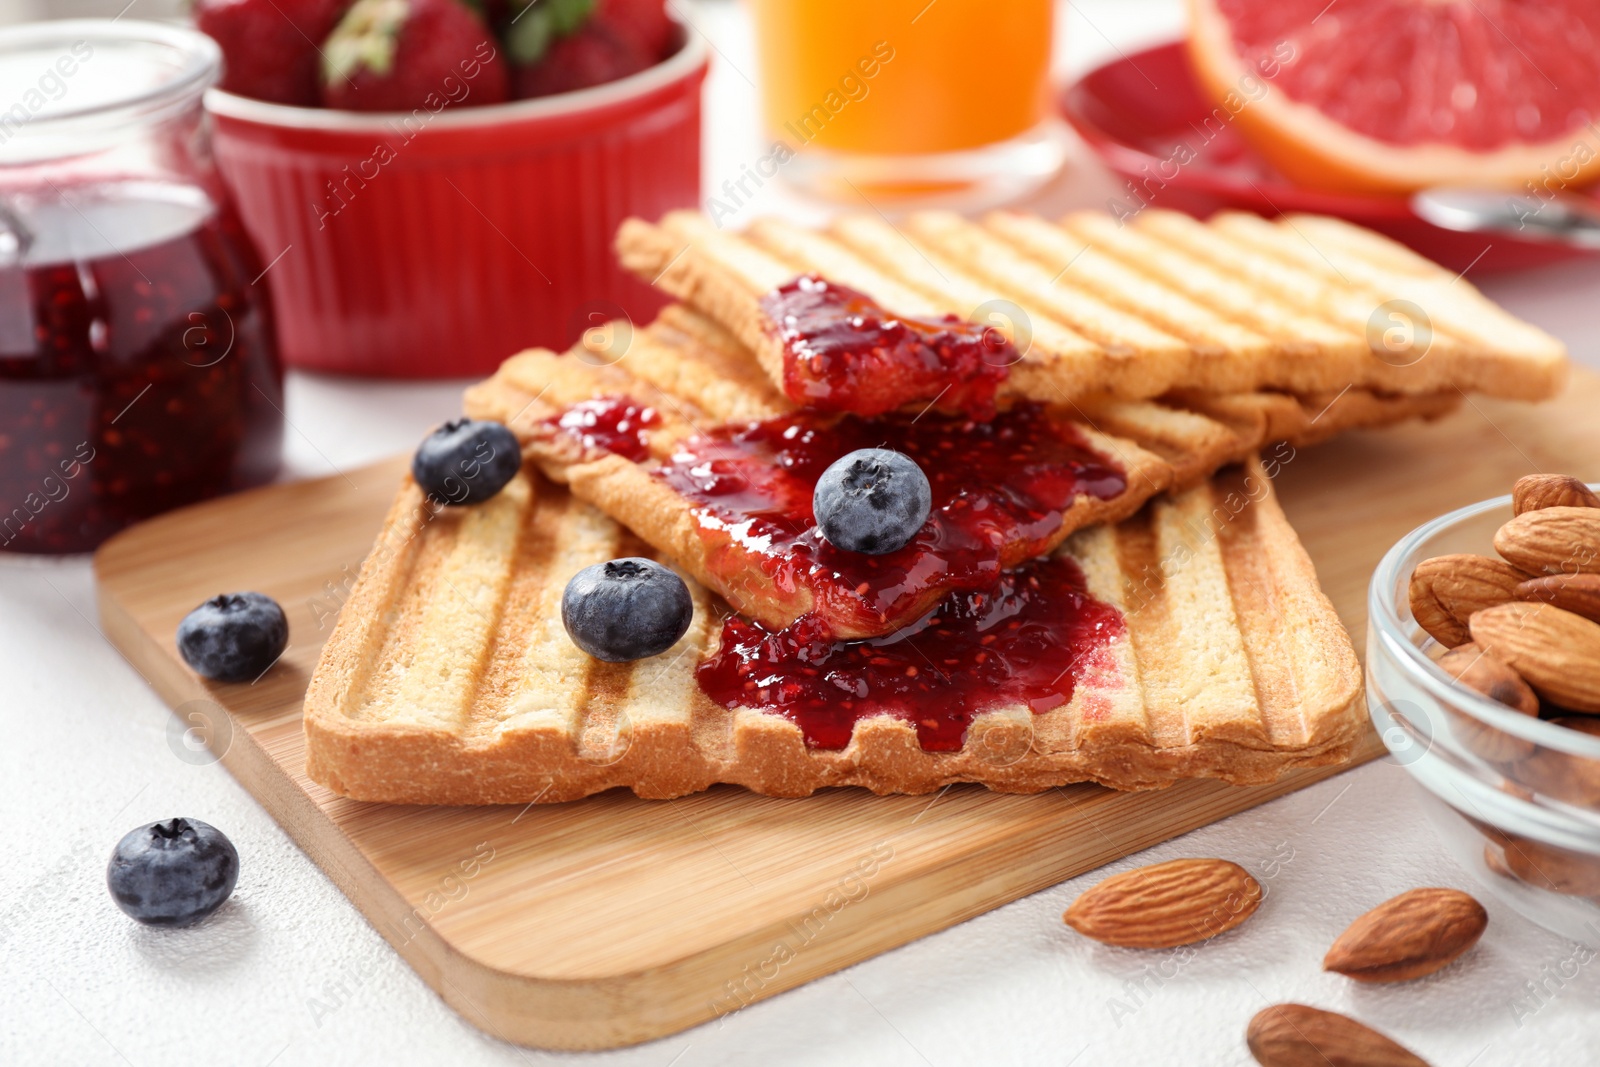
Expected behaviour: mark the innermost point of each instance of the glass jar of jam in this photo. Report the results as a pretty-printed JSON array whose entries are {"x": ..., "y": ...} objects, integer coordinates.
[{"x": 138, "y": 366}]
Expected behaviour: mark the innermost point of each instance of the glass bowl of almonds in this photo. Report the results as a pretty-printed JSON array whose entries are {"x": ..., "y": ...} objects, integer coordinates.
[{"x": 1483, "y": 678}]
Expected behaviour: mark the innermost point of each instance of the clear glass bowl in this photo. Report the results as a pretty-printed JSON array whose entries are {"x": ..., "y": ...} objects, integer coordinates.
[{"x": 1516, "y": 799}]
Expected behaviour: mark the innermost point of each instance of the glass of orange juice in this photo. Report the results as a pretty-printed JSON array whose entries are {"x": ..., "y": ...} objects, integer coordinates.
[{"x": 909, "y": 97}]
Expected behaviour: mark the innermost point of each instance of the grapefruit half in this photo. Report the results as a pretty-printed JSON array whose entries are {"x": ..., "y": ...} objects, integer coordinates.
[{"x": 1398, "y": 95}]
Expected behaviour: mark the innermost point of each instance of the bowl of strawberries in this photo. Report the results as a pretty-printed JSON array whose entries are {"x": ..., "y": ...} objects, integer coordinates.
[{"x": 435, "y": 183}]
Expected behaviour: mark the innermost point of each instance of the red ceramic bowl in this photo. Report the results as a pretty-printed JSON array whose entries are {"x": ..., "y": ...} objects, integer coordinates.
[
  {"x": 1136, "y": 110},
  {"x": 435, "y": 245}
]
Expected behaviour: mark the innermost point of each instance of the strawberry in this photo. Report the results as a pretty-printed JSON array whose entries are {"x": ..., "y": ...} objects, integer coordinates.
[
  {"x": 269, "y": 47},
  {"x": 493, "y": 12},
  {"x": 401, "y": 55},
  {"x": 645, "y": 22},
  {"x": 594, "y": 55},
  {"x": 537, "y": 24}
]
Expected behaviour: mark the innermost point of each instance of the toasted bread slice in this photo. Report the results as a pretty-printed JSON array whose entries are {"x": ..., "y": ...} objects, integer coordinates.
[
  {"x": 449, "y": 679},
  {"x": 1104, "y": 309},
  {"x": 695, "y": 378}
]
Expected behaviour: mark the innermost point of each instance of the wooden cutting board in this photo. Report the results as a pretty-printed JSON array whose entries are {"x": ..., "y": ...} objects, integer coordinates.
[{"x": 613, "y": 920}]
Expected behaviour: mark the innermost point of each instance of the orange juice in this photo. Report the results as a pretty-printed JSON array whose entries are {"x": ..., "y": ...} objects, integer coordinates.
[{"x": 903, "y": 77}]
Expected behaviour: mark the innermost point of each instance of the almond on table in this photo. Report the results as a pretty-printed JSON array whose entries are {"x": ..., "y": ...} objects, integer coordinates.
[
  {"x": 1297, "y": 1035},
  {"x": 1166, "y": 904},
  {"x": 1412, "y": 935}
]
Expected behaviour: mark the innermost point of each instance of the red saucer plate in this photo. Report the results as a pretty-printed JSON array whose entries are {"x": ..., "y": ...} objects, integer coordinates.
[{"x": 1145, "y": 116}]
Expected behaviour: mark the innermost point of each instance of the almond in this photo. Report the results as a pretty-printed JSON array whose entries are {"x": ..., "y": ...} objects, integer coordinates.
[
  {"x": 1560, "y": 540},
  {"x": 1539, "y": 491},
  {"x": 1446, "y": 590},
  {"x": 1295, "y": 1035},
  {"x": 1414, "y": 934},
  {"x": 1478, "y": 670},
  {"x": 1496, "y": 862},
  {"x": 1553, "y": 868},
  {"x": 1562, "y": 775},
  {"x": 1474, "y": 668},
  {"x": 1166, "y": 904},
  {"x": 1555, "y": 651},
  {"x": 1577, "y": 593},
  {"x": 1584, "y": 724}
]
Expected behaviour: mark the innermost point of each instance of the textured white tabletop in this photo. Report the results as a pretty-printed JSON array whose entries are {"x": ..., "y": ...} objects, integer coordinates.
[{"x": 289, "y": 973}]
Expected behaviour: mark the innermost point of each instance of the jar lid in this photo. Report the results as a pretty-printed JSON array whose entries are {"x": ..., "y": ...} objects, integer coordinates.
[{"x": 75, "y": 85}]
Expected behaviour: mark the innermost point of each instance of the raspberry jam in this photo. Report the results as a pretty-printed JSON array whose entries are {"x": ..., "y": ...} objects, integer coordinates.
[
  {"x": 613, "y": 423},
  {"x": 999, "y": 489},
  {"x": 1025, "y": 642},
  {"x": 137, "y": 365},
  {"x": 842, "y": 352}
]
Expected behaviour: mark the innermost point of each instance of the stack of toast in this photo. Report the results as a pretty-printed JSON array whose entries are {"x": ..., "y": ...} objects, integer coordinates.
[{"x": 1160, "y": 372}]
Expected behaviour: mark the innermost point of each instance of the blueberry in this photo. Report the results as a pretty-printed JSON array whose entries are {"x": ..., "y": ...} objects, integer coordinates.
[
  {"x": 626, "y": 609},
  {"x": 233, "y": 637},
  {"x": 172, "y": 873},
  {"x": 466, "y": 461},
  {"x": 872, "y": 500}
]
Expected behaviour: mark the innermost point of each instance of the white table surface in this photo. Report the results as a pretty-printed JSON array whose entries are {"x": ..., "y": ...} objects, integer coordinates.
[{"x": 290, "y": 973}]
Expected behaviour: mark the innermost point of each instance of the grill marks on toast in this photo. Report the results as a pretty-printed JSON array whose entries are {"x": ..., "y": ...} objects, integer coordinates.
[
  {"x": 1185, "y": 630},
  {"x": 1118, "y": 325},
  {"x": 1164, "y": 302},
  {"x": 431, "y": 660},
  {"x": 536, "y": 676},
  {"x": 1233, "y": 666},
  {"x": 1121, "y": 284},
  {"x": 1341, "y": 252},
  {"x": 439, "y": 681},
  {"x": 1293, "y": 334},
  {"x": 688, "y": 356},
  {"x": 1192, "y": 445}
]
